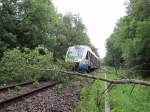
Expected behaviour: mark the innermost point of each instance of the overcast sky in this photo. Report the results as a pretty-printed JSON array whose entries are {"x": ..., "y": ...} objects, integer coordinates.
[{"x": 99, "y": 17}]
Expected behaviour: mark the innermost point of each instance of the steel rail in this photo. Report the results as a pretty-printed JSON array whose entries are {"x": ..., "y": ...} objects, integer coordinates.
[
  {"x": 8, "y": 101},
  {"x": 13, "y": 86}
]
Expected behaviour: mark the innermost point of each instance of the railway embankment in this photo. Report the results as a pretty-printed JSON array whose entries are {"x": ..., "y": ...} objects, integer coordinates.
[
  {"x": 57, "y": 98},
  {"x": 61, "y": 97},
  {"x": 81, "y": 94}
]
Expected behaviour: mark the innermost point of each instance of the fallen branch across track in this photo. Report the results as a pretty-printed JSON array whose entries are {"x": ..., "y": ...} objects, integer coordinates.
[{"x": 122, "y": 81}]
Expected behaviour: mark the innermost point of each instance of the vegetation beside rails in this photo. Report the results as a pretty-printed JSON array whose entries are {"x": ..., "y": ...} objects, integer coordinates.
[
  {"x": 18, "y": 66},
  {"x": 91, "y": 98},
  {"x": 122, "y": 98},
  {"x": 128, "y": 98},
  {"x": 128, "y": 45}
]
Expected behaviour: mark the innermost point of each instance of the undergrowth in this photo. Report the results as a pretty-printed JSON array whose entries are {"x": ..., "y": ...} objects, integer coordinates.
[
  {"x": 18, "y": 66},
  {"x": 123, "y": 99},
  {"x": 91, "y": 98},
  {"x": 128, "y": 98}
]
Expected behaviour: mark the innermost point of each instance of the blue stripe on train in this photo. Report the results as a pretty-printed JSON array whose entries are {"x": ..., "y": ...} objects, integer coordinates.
[{"x": 83, "y": 66}]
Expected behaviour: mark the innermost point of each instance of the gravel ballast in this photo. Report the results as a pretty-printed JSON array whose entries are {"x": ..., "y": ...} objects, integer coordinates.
[{"x": 50, "y": 100}]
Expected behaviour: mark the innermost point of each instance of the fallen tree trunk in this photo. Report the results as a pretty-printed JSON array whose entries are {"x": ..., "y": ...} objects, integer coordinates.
[{"x": 122, "y": 81}]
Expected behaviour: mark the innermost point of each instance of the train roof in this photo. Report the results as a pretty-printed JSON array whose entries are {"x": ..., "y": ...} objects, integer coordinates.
[{"x": 86, "y": 47}]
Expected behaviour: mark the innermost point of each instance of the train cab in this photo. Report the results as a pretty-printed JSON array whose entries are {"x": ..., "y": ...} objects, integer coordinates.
[{"x": 83, "y": 58}]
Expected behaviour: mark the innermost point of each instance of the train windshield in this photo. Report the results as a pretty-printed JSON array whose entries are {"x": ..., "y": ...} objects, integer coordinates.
[{"x": 75, "y": 52}]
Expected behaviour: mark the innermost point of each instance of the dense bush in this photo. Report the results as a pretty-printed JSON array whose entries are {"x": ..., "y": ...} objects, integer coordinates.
[{"x": 17, "y": 66}]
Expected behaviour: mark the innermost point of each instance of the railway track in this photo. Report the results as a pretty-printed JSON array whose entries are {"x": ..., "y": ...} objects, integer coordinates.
[
  {"x": 15, "y": 85},
  {"x": 7, "y": 101},
  {"x": 27, "y": 93}
]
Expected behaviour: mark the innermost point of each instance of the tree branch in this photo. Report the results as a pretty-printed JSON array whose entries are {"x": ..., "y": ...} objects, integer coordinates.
[{"x": 122, "y": 81}]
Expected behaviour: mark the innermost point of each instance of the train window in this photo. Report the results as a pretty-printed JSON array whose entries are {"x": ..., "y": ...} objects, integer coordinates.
[
  {"x": 87, "y": 55},
  {"x": 75, "y": 52},
  {"x": 90, "y": 57}
]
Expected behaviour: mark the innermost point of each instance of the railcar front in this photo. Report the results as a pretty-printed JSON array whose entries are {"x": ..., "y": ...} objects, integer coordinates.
[{"x": 76, "y": 55}]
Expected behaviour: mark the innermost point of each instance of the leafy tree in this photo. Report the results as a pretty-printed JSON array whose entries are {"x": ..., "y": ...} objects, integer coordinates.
[
  {"x": 7, "y": 24},
  {"x": 26, "y": 23},
  {"x": 72, "y": 32},
  {"x": 114, "y": 52},
  {"x": 139, "y": 9},
  {"x": 130, "y": 39},
  {"x": 32, "y": 23}
]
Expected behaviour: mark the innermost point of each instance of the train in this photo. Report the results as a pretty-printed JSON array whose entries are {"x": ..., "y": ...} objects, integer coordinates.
[{"x": 83, "y": 58}]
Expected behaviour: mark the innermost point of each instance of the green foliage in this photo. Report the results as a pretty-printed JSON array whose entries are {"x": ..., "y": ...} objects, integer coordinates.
[
  {"x": 137, "y": 101},
  {"x": 72, "y": 32},
  {"x": 139, "y": 9},
  {"x": 75, "y": 30},
  {"x": 19, "y": 66},
  {"x": 30, "y": 23},
  {"x": 59, "y": 87},
  {"x": 130, "y": 42},
  {"x": 26, "y": 23},
  {"x": 114, "y": 53},
  {"x": 35, "y": 84},
  {"x": 91, "y": 99},
  {"x": 127, "y": 98}
]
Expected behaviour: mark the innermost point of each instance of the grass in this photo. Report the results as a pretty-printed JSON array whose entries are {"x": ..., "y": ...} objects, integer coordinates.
[
  {"x": 128, "y": 98},
  {"x": 122, "y": 98},
  {"x": 91, "y": 98}
]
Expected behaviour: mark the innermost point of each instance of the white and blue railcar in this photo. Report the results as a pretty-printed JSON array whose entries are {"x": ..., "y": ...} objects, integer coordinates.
[{"x": 83, "y": 57}]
